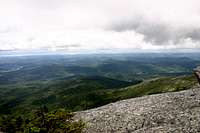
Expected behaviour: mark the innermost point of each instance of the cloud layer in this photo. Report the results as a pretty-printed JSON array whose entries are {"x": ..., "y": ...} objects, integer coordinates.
[{"x": 99, "y": 24}]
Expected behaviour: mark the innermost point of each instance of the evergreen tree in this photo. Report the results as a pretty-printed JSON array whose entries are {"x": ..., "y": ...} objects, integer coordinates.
[{"x": 43, "y": 121}]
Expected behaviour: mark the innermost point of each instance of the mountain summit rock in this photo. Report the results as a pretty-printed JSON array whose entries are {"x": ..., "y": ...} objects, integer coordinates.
[
  {"x": 172, "y": 112},
  {"x": 197, "y": 73}
]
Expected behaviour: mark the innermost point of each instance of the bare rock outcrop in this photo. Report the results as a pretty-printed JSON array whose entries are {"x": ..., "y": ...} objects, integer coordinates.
[
  {"x": 175, "y": 112},
  {"x": 197, "y": 73}
]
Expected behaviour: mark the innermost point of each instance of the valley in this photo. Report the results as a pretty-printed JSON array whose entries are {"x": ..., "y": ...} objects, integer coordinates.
[
  {"x": 59, "y": 84},
  {"x": 81, "y": 82}
]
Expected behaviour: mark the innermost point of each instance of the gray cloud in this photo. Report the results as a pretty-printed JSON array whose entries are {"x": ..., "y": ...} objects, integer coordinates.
[
  {"x": 158, "y": 33},
  {"x": 99, "y": 24},
  {"x": 194, "y": 34}
]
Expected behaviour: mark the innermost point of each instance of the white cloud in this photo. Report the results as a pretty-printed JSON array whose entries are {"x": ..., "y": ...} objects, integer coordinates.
[{"x": 95, "y": 24}]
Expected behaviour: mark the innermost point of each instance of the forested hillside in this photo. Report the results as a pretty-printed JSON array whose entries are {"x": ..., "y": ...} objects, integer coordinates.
[{"x": 76, "y": 83}]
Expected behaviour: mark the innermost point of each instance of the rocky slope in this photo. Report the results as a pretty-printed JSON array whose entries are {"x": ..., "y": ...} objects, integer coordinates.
[{"x": 168, "y": 112}]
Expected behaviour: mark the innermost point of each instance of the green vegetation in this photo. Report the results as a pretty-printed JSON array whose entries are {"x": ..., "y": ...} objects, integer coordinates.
[
  {"x": 127, "y": 67},
  {"x": 155, "y": 86},
  {"x": 77, "y": 83},
  {"x": 83, "y": 93},
  {"x": 41, "y": 121},
  {"x": 76, "y": 93},
  {"x": 19, "y": 104}
]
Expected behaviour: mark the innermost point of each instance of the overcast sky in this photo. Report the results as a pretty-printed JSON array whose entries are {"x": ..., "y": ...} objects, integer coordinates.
[{"x": 99, "y": 24}]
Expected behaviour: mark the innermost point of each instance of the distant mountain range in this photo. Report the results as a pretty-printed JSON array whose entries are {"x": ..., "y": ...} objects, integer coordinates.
[{"x": 80, "y": 82}]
